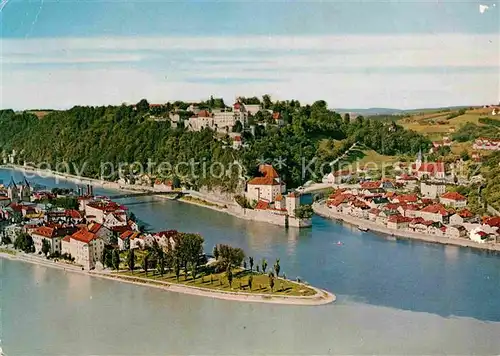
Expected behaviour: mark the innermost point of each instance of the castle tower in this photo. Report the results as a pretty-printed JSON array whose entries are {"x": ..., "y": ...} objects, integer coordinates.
[{"x": 292, "y": 203}]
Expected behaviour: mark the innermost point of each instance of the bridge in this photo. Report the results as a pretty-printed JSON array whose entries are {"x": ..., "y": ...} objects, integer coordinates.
[{"x": 176, "y": 193}]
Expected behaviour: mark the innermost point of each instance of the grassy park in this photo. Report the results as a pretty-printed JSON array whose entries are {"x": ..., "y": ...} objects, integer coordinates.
[{"x": 219, "y": 282}]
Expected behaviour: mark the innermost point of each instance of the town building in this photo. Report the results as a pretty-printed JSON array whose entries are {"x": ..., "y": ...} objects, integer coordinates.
[
  {"x": 97, "y": 210},
  {"x": 163, "y": 185},
  {"x": 434, "y": 170},
  {"x": 453, "y": 199},
  {"x": 53, "y": 234},
  {"x": 432, "y": 190},
  {"x": 85, "y": 247},
  {"x": 267, "y": 187},
  {"x": 485, "y": 143}
]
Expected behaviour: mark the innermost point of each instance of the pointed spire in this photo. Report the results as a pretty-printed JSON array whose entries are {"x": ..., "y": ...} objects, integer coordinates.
[{"x": 12, "y": 184}]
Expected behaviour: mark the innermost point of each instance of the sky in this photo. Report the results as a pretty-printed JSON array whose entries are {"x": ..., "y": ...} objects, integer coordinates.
[{"x": 352, "y": 54}]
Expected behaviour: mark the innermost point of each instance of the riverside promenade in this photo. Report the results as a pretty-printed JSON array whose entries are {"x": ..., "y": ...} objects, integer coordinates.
[{"x": 321, "y": 209}]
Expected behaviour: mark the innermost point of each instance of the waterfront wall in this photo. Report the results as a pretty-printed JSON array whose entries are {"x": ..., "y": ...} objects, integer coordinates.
[
  {"x": 322, "y": 210},
  {"x": 257, "y": 215}
]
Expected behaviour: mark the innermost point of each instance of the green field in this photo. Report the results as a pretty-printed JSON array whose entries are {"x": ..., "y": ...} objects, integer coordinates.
[{"x": 218, "y": 281}]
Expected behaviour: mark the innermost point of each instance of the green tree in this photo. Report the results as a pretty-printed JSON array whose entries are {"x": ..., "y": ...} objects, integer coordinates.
[
  {"x": 264, "y": 265},
  {"x": 229, "y": 255},
  {"x": 116, "y": 259},
  {"x": 25, "y": 243},
  {"x": 142, "y": 106},
  {"x": 45, "y": 247},
  {"x": 177, "y": 267},
  {"x": 304, "y": 211},
  {"x": 238, "y": 126},
  {"x": 131, "y": 260},
  {"x": 271, "y": 281},
  {"x": 216, "y": 252},
  {"x": 193, "y": 271},
  {"x": 250, "y": 260},
  {"x": 266, "y": 101},
  {"x": 277, "y": 267},
  {"x": 6, "y": 239},
  {"x": 229, "y": 275},
  {"x": 145, "y": 262}
]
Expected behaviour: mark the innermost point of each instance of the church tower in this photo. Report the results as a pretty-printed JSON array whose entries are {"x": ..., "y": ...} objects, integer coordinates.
[
  {"x": 418, "y": 161},
  {"x": 12, "y": 191}
]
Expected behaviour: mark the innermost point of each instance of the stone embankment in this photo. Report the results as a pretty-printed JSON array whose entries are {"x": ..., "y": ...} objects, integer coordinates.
[{"x": 321, "y": 209}]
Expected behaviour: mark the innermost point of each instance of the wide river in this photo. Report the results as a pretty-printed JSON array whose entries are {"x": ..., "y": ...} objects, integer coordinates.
[{"x": 394, "y": 297}]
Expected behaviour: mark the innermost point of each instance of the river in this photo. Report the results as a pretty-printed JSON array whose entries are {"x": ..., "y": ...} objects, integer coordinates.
[{"x": 393, "y": 297}]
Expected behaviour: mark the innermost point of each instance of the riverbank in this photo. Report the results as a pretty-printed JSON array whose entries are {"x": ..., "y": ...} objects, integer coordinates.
[
  {"x": 322, "y": 210},
  {"x": 320, "y": 298}
]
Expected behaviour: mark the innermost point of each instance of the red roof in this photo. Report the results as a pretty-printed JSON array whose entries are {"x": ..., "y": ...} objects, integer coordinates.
[
  {"x": 107, "y": 206},
  {"x": 74, "y": 214},
  {"x": 492, "y": 221},
  {"x": 237, "y": 138},
  {"x": 407, "y": 177},
  {"x": 432, "y": 167},
  {"x": 94, "y": 227},
  {"x": 83, "y": 236},
  {"x": 237, "y": 106},
  {"x": 435, "y": 209},
  {"x": 279, "y": 197},
  {"x": 262, "y": 205},
  {"x": 204, "y": 113},
  {"x": 408, "y": 198},
  {"x": 120, "y": 229},
  {"x": 166, "y": 233},
  {"x": 343, "y": 173},
  {"x": 370, "y": 185},
  {"x": 453, "y": 196},
  {"x": 53, "y": 231},
  {"x": 465, "y": 213},
  {"x": 276, "y": 115},
  {"x": 268, "y": 171},
  {"x": 269, "y": 177},
  {"x": 398, "y": 219}
]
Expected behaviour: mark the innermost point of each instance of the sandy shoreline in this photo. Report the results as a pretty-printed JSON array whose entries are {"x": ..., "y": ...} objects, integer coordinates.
[
  {"x": 322, "y": 210},
  {"x": 320, "y": 298}
]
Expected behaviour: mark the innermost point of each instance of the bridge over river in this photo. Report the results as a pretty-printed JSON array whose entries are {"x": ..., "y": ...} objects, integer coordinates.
[{"x": 175, "y": 194}]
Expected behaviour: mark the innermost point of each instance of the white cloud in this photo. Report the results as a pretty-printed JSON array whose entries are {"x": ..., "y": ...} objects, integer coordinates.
[{"x": 348, "y": 70}]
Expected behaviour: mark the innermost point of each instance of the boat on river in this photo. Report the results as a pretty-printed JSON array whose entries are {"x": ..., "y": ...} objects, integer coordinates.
[{"x": 363, "y": 228}]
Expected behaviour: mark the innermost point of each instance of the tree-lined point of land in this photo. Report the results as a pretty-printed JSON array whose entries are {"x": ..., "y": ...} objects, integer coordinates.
[{"x": 240, "y": 282}]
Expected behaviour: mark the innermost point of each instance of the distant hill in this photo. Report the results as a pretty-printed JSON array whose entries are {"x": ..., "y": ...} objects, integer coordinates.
[
  {"x": 370, "y": 111},
  {"x": 389, "y": 111}
]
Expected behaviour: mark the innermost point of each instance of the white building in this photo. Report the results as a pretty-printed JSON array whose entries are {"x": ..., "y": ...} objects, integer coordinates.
[
  {"x": 53, "y": 235},
  {"x": 453, "y": 199},
  {"x": 432, "y": 190},
  {"x": 98, "y": 210},
  {"x": 85, "y": 247},
  {"x": 267, "y": 187}
]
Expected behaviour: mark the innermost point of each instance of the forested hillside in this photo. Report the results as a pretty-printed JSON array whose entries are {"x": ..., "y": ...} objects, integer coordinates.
[{"x": 123, "y": 134}]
